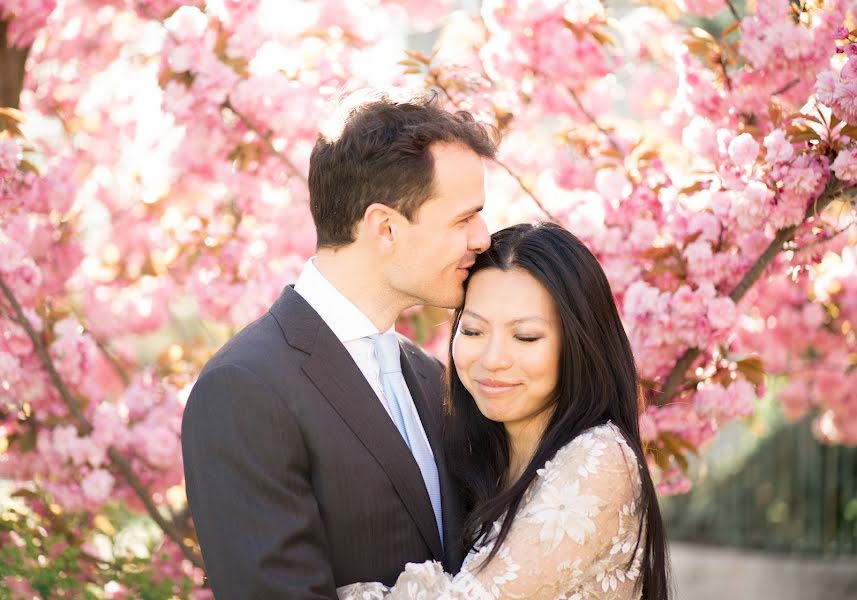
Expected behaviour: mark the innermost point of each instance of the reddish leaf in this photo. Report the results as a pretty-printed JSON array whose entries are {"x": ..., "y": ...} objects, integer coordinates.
[
  {"x": 849, "y": 130},
  {"x": 730, "y": 30},
  {"x": 805, "y": 136},
  {"x": 753, "y": 369},
  {"x": 678, "y": 441}
]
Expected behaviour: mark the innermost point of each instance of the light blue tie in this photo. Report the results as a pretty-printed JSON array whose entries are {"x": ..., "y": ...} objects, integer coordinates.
[{"x": 402, "y": 409}]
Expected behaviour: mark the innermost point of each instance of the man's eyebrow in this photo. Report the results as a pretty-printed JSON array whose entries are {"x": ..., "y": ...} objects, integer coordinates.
[{"x": 468, "y": 212}]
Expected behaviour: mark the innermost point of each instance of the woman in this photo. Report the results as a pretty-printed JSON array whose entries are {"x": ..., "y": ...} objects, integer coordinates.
[{"x": 543, "y": 435}]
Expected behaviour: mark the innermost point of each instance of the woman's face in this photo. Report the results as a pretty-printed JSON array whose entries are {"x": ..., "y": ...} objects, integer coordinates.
[{"x": 507, "y": 347}]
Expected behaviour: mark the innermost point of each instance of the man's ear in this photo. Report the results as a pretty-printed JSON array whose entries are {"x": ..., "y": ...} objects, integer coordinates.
[{"x": 380, "y": 226}]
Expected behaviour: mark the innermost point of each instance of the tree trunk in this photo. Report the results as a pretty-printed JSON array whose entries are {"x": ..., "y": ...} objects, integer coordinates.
[{"x": 12, "y": 62}]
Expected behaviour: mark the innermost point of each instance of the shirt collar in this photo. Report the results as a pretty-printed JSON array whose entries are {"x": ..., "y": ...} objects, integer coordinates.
[{"x": 345, "y": 320}]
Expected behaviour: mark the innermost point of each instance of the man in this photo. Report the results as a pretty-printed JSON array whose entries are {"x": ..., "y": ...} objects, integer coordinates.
[{"x": 311, "y": 444}]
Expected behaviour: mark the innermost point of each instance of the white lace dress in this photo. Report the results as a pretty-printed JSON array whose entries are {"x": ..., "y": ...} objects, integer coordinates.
[{"x": 572, "y": 539}]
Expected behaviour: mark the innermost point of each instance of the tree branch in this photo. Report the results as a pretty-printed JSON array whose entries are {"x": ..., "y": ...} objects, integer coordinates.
[
  {"x": 595, "y": 122},
  {"x": 526, "y": 190},
  {"x": 290, "y": 166},
  {"x": 833, "y": 189},
  {"x": 120, "y": 462},
  {"x": 786, "y": 87},
  {"x": 826, "y": 240},
  {"x": 732, "y": 10},
  {"x": 102, "y": 345},
  {"x": 12, "y": 62}
]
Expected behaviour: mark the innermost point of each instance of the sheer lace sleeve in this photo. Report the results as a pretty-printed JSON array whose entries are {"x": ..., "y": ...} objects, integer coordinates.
[{"x": 574, "y": 537}]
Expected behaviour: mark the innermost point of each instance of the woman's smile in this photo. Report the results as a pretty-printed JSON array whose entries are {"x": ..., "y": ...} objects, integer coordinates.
[{"x": 495, "y": 387}]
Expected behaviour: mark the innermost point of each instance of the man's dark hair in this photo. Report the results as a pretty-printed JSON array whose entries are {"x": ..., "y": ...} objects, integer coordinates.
[{"x": 378, "y": 150}]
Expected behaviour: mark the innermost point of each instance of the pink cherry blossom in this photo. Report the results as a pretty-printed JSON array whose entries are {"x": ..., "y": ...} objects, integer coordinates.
[
  {"x": 10, "y": 154},
  {"x": 845, "y": 165},
  {"x": 673, "y": 482},
  {"x": 169, "y": 206},
  {"x": 722, "y": 313},
  {"x": 777, "y": 147},
  {"x": 648, "y": 427},
  {"x": 743, "y": 149},
  {"x": 699, "y": 137},
  {"x": 703, "y": 8},
  {"x": 187, "y": 24},
  {"x": 839, "y": 90},
  {"x": 97, "y": 485}
]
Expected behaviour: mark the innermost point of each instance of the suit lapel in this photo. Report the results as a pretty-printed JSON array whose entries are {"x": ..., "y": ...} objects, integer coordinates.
[
  {"x": 431, "y": 415},
  {"x": 333, "y": 371}
]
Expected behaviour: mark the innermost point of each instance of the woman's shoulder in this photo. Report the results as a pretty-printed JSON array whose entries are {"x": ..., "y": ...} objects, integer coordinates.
[{"x": 597, "y": 450}]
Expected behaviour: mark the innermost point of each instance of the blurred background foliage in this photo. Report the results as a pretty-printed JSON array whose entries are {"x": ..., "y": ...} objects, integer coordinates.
[{"x": 768, "y": 484}]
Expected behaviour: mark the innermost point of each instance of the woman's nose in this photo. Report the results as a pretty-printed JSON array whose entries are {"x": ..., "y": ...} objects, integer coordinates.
[{"x": 495, "y": 355}]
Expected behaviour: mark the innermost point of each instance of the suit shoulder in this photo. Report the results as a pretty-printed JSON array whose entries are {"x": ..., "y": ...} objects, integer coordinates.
[
  {"x": 250, "y": 373},
  {"x": 256, "y": 348}
]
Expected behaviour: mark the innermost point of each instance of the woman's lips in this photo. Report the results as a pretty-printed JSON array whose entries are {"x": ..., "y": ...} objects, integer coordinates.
[{"x": 494, "y": 387}]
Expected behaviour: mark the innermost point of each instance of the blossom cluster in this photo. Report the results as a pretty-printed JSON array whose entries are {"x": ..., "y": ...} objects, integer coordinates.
[{"x": 154, "y": 201}]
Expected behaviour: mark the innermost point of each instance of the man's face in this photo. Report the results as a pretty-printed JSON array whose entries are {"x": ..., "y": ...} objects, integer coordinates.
[{"x": 438, "y": 247}]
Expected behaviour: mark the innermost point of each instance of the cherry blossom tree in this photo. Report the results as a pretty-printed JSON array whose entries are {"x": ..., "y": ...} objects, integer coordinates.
[{"x": 153, "y": 201}]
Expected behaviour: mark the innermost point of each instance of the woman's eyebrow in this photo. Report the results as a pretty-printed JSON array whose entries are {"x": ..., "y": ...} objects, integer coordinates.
[{"x": 479, "y": 317}]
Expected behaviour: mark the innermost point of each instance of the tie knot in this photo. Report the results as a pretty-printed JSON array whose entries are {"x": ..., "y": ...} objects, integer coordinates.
[{"x": 387, "y": 352}]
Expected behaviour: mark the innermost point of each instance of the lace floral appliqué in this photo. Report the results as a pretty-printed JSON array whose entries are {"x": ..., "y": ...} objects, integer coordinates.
[{"x": 574, "y": 538}]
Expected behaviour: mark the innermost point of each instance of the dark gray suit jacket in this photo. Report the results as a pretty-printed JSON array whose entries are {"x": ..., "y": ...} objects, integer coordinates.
[{"x": 298, "y": 481}]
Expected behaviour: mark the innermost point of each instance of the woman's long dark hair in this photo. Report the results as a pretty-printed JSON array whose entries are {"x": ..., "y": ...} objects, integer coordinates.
[{"x": 597, "y": 383}]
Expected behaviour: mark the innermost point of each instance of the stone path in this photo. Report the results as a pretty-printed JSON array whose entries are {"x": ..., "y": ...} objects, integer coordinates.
[{"x": 709, "y": 573}]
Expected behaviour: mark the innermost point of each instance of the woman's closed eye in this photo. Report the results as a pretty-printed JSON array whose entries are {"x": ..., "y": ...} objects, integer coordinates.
[{"x": 525, "y": 338}]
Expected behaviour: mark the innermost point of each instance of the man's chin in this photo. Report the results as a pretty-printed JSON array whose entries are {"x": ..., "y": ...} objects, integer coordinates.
[{"x": 452, "y": 299}]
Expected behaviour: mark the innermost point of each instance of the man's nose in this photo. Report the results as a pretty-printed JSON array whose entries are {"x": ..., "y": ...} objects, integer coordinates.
[{"x": 479, "y": 240}]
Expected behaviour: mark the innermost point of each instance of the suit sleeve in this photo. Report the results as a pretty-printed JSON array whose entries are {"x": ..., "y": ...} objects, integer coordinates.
[{"x": 248, "y": 486}]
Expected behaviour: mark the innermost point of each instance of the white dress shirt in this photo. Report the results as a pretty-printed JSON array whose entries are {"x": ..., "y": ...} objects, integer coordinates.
[{"x": 350, "y": 326}]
